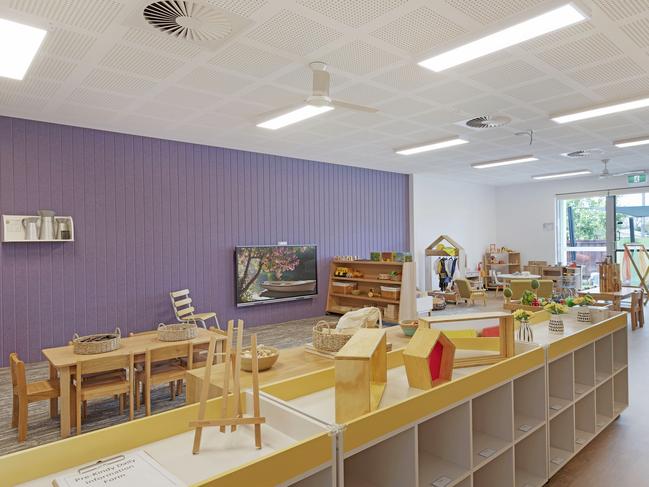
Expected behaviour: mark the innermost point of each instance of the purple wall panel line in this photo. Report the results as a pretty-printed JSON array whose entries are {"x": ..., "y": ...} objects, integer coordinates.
[{"x": 153, "y": 216}]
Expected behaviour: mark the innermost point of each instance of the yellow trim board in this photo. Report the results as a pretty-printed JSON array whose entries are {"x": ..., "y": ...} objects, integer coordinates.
[{"x": 573, "y": 342}]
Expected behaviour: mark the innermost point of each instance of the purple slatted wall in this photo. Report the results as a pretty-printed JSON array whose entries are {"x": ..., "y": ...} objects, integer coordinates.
[{"x": 154, "y": 215}]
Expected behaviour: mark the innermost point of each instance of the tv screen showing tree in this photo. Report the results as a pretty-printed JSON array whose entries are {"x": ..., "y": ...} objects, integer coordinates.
[{"x": 271, "y": 273}]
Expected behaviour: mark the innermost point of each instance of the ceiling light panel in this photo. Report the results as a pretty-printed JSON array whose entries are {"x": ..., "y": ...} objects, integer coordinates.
[
  {"x": 632, "y": 142},
  {"x": 294, "y": 116},
  {"x": 25, "y": 41},
  {"x": 521, "y": 32},
  {"x": 602, "y": 111},
  {"x": 430, "y": 146},
  {"x": 504, "y": 162},
  {"x": 558, "y": 175}
]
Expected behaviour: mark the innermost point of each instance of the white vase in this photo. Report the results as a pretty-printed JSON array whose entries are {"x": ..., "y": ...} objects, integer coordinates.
[
  {"x": 524, "y": 332},
  {"x": 556, "y": 325},
  {"x": 583, "y": 314}
]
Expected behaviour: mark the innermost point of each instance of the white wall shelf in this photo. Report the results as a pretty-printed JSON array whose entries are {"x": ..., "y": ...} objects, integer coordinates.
[{"x": 13, "y": 230}]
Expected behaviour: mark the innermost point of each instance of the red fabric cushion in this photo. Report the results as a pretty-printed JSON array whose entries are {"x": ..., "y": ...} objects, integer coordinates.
[{"x": 492, "y": 331}]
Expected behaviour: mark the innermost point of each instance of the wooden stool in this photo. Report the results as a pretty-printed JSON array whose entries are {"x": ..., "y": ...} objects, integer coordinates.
[{"x": 636, "y": 309}]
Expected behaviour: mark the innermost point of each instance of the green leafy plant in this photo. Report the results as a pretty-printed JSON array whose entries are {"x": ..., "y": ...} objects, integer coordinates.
[
  {"x": 585, "y": 300},
  {"x": 521, "y": 315},
  {"x": 556, "y": 308},
  {"x": 528, "y": 297}
]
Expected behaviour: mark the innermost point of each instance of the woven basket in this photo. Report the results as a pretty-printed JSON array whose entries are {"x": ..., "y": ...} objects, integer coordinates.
[
  {"x": 177, "y": 332},
  {"x": 327, "y": 339},
  {"x": 100, "y": 343}
]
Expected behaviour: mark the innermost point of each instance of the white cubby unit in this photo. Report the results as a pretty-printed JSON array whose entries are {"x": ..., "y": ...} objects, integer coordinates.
[
  {"x": 584, "y": 364},
  {"x": 620, "y": 350},
  {"x": 531, "y": 460},
  {"x": 387, "y": 463},
  {"x": 560, "y": 384},
  {"x": 444, "y": 447},
  {"x": 529, "y": 403},
  {"x": 499, "y": 471},
  {"x": 492, "y": 416},
  {"x": 584, "y": 420},
  {"x": 603, "y": 359},
  {"x": 604, "y": 404},
  {"x": 322, "y": 478},
  {"x": 620, "y": 391},
  {"x": 562, "y": 439},
  {"x": 14, "y": 231},
  {"x": 467, "y": 482}
]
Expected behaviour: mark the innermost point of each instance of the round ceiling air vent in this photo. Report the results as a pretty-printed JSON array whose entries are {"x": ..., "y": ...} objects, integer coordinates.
[
  {"x": 188, "y": 20},
  {"x": 488, "y": 121},
  {"x": 583, "y": 154}
]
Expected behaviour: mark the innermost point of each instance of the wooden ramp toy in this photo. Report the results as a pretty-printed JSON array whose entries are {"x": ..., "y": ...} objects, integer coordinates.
[{"x": 232, "y": 361}]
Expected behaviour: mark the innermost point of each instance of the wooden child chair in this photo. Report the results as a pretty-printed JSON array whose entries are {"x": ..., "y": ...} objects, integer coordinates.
[
  {"x": 184, "y": 311},
  {"x": 113, "y": 385},
  {"x": 635, "y": 308},
  {"x": 25, "y": 393},
  {"x": 464, "y": 290}
]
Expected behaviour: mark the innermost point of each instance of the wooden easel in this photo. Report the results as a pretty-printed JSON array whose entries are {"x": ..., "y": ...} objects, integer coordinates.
[
  {"x": 640, "y": 248},
  {"x": 232, "y": 360}
]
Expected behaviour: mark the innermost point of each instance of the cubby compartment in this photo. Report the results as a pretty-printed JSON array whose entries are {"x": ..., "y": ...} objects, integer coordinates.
[
  {"x": 467, "y": 482},
  {"x": 444, "y": 447},
  {"x": 499, "y": 471},
  {"x": 529, "y": 403},
  {"x": 584, "y": 420},
  {"x": 560, "y": 384},
  {"x": 604, "y": 404},
  {"x": 584, "y": 363},
  {"x": 620, "y": 350},
  {"x": 562, "y": 439},
  {"x": 492, "y": 424},
  {"x": 390, "y": 462},
  {"x": 530, "y": 460},
  {"x": 323, "y": 478},
  {"x": 620, "y": 391},
  {"x": 603, "y": 359}
]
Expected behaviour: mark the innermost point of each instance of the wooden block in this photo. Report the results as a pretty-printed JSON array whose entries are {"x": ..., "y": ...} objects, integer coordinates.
[{"x": 428, "y": 359}]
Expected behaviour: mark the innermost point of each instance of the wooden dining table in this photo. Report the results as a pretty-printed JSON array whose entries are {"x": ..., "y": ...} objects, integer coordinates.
[
  {"x": 615, "y": 297},
  {"x": 63, "y": 360}
]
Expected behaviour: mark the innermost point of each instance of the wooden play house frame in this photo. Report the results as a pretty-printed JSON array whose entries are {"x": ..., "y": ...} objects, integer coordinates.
[
  {"x": 629, "y": 249},
  {"x": 503, "y": 344},
  {"x": 431, "y": 251},
  {"x": 428, "y": 359}
]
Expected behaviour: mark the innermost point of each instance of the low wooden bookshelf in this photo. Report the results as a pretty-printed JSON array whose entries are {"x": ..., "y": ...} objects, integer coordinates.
[{"x": 394, "y": 309}]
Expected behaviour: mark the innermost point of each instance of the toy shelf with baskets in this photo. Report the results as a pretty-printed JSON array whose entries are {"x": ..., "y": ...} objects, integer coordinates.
[{"x": 390, "y": 286}]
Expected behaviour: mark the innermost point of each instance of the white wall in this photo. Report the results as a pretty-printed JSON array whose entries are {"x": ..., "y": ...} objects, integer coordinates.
[
  {"x": 465, "y": 212},
  {"x": 522, "y": 209}
]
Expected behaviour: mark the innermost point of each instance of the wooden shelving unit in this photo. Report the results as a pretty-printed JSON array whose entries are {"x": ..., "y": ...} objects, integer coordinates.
[
  {"x": 393, "y": 310},
  {"x": 511, "y": 263}
]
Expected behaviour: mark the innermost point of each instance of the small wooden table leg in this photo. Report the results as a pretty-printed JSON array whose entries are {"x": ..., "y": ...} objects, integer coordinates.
[
  {"x": 54, "y": 403},
  {"x": 64, "y": 378}
]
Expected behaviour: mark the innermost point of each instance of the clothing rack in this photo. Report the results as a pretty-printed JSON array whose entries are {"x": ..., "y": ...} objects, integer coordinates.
[{"x": 444, "y": 247}]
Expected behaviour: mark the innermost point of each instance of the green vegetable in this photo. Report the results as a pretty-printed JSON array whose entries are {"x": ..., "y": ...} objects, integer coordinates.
[{"x": 507, "y": 292}]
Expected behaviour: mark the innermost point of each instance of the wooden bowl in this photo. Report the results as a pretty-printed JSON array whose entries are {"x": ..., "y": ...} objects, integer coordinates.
[
  {"x": 409, "y": 327},
  {"x": 264, "y": 363}
]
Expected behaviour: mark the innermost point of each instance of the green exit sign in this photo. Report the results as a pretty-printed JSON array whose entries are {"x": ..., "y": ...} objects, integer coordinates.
[{"x": 636, "y": 178}]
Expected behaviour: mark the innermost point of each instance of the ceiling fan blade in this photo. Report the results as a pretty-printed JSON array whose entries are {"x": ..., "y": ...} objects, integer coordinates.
[
  {"x": 630, "y": 173},
  {"x": 353, "y": 106}
]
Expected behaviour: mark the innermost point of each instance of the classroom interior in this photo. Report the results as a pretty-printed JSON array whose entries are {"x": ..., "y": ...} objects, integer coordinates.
[{"x": 314, "y": 243}]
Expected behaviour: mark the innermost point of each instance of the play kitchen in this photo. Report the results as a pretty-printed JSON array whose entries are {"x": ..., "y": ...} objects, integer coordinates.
[{"x": 46, "y": 227}]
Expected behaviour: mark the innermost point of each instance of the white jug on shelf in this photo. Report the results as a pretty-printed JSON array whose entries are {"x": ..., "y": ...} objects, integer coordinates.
[
  {"x": 31, "y": 228},
  {"x": 63, "y": 229},
  {"x": 47, "y": 225}
]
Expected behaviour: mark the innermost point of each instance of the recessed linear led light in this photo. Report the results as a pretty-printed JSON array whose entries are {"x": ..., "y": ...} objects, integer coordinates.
[
  {"x": 524, "y": 31},
  {"x": 428, "y": 146},
  {"x": 557, "y": 175},
  {"x": 294, "y": 116},
  {"x": 601, "y": 111},
  {"x": 504, "y": 162},
  {"x": 632, "y": 142},
  {"x": 20, "y": 44}
]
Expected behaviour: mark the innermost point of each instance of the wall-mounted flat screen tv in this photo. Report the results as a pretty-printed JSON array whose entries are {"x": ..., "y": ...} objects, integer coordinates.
[{"x": 272, "y": 273}]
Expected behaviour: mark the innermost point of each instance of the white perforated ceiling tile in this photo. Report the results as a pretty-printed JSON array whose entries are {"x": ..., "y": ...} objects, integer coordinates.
[
  {"x": 249, "y": 60},
  {"x": 274, "y": 97},
  {"x": 627, "y": 89},
  {"x": 561, "y": 35},
  {"x": 419, "y": 30},
  {"x": 451, "y": 92},
  {"x": 539, "y": 90},
  {"x": 50, "y": 68},
  {"x": 137, "y": 61},
  {"x": 176, "y": 95},
  {"x": 403, "y": 107},
  {"x": 166, "y": 111},
  {"x": 162, "y": 42},
  {"x": 33, "y": 87},
  {"x": 91, "y": 15},
  {"x": 563, "y": 104},
  {"x": 353, "y": 13},
  {"x": 591, "y": 49},
  {"x": 17, "y": 101},
  {"x": 294, "y": 33},
  {"x": 68, "y": 44},
  {"x": 101, "y": 99},
  {"x": 118, "y": 82},
  {"x": 364, "y": 94},
  {"x": 612, "y": 71},
  {"x": 301, "y": 79},
  {"x": 360, "y": 58},
  {"x": 245, "y": 8},
  {"x": 622, "y": 9},
  {"x": 488, "y": 11},
  {"x": 638, "y": 32},
  {"x": 215, "y": 82},
  {"x": 507, "y": 75},
  {"x": 409, "y": 77}
]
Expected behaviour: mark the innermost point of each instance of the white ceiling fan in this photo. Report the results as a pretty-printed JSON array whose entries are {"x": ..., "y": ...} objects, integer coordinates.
[
  {"x": 318, "y": 102},
  {"x": 607, "y": 174}
]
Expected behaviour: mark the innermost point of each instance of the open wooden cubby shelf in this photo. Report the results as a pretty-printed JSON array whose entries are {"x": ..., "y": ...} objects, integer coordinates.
[
  {"x": 529, "y": 403},
  {"x": 560, "y": 384},
  {"x": 531, "y": 459},
  {"x": 492, "y": 424},
  {"x": 562, "y": 439}
]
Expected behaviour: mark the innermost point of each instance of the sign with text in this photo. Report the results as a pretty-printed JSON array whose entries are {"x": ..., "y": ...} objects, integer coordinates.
[{"x": 633, "y": 179}]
